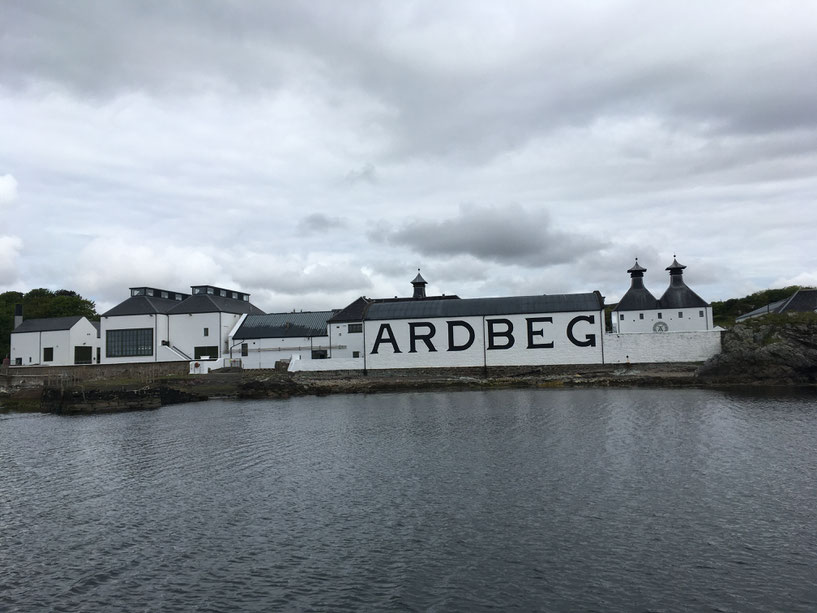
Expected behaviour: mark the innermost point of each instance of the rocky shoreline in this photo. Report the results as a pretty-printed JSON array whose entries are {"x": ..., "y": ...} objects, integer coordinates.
[{"x": 767, "y": 352}]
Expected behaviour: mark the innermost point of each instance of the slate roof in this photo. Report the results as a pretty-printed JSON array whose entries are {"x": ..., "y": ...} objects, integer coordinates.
[
  {"x": 802, "y": 301},
  {"x": 637, "y": 299},
  {"x": 47, "y": 324},
  {"x": 357, "y": 310},
  {"x": 142, "y": 305},
  {"x": 547, "y": 303},
  {"x": 208, "y": 303},
  {"x": 284, "y": 325},
  {"x": 679, "y": 296}
]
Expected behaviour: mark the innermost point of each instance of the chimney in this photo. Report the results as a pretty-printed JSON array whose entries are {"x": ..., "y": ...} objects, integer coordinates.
[{"x": 18, "y": 315}]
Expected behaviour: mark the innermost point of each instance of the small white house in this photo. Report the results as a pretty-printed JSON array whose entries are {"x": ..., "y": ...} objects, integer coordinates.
[
  {"x": 55, "y": 341},
  {"x": 678, "y": 310},
  {"x": 262, "y": 340}
]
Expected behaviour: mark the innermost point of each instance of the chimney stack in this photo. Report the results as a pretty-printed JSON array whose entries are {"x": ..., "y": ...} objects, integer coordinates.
[{"x": 18, "y": 315}]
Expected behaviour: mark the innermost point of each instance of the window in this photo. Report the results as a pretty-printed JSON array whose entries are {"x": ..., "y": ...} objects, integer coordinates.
[
  {"x": 138, "y": 291},
  {"x": 164, "y": 295},
  {"x": 621, "y": 316},
  {"x": 205, "y": 353},
  {"x": 355, "y": 328},
  {"x": 210, "y": 290},
  {"x": 207, "y": 332},
  {"x": 150, "y": 292},
  {"x": 18, "y": 361},
  {"x": 48, "y": 354},
  {"x": 245, "y": 350},
  {"x": 680, "y": 314},
  {"x": 126, "y": 343},
  {"x": 659, "y": 316},
  {"x": 319, "y": 354},
  {"x": 641, "y": 315},
  {"x": 700, "y": 313},
  {"x": 245, "y": 297},
  {"x": 355, "y": 354}
]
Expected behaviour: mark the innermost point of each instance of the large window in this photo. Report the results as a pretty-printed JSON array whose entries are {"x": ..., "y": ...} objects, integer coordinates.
[
  {"x": 205, "y": 353},
  {"x": 128, "y": 343},
  {"x": 355, "y": 328},
  {"x": 48, "y": 354}
]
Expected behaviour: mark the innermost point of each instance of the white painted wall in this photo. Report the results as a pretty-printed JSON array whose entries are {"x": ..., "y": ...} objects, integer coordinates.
[
  {"x": 324, "y": 365},
  {"x": 83, "y": 334},
  {"x": 264, "y": 352},
  {"x": 479, "y": 353},
  {"x": 157, "y": 322},
  {"x": 30, "y": 345},
  {"x": 187, "y": 331},
  {"x": 676, "y": 320},
  {"x": 345, "y": 343},
  {"x": 669, "y": 347}
]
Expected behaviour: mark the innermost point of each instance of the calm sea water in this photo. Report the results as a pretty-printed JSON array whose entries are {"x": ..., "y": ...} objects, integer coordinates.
[{"x": 574, "y": 500}]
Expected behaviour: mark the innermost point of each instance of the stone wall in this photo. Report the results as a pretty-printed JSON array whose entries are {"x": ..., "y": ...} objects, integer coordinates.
[
  {"x": 23, "y": 375},
  {"x": 667, "y": 347}
]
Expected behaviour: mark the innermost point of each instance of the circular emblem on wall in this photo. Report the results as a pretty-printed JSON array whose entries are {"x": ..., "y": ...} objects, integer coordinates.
[{"x": 660, "y": 326}]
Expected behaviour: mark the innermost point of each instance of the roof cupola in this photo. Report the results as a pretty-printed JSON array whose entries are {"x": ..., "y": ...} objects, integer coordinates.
[
  {"x": 638, "y": 297},
  {"x": 419, "y": 286},
  {"x": 678, "y": 295}
]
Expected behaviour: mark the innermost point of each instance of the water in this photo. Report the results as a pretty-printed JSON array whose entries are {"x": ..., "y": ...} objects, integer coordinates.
[{"x": 574, "y": 500}]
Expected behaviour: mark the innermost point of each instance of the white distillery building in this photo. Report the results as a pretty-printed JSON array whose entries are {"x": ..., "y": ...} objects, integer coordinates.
[
  {"x": 548, "y": 329},
  {"x": 260, "y": 341},
  {"x": 55, "y": 341},
  {"x": 678, "y": 310},
  {"x": 156, "y": 325}
]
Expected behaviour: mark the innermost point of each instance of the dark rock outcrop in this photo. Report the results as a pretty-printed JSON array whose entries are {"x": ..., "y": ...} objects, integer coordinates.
[{"x": 777, "y": 350}]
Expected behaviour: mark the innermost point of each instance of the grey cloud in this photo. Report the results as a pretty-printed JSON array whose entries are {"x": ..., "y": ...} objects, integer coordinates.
[
  {"x": 366, "y": 174},
  {"x": 509, "y": 234},
  {"x": 319, "y": 223}
]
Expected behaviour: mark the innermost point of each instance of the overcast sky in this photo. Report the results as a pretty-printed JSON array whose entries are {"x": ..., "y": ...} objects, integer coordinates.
[{"x": 312, "y": 152}]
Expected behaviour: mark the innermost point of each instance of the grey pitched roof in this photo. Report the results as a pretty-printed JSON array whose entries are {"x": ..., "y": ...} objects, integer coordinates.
[
  {"x": 141, "y": 305},
  {"x": 679, "y": 296},
  {"x": 637, "y": 299},
  {"x": 419, "y": 278},
  {"x": 803, "y": 300},
  {"x": 47, "y": 324},
  {"x": 207, "y": 303},
  {"x": 353, "y": 312},
  {"x": 547, "y": 303},
  {"x": 284, "y": 325}
]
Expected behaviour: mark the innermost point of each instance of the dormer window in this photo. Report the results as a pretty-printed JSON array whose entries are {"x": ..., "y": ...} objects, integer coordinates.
[
  {"x": 210, "y": 290},
  {"x": 150, "y": 292},
  {"x": 164, "y": 295}
]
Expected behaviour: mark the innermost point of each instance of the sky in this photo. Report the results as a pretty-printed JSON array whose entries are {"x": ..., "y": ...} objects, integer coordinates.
[{"x": 312, "y": 152}]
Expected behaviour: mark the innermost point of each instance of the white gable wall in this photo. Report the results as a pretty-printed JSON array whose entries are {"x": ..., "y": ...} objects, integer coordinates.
[{"x": 187, "y": 331}]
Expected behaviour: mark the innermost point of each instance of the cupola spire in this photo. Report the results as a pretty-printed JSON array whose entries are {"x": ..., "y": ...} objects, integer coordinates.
[{"x": 419, "y": 286}]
